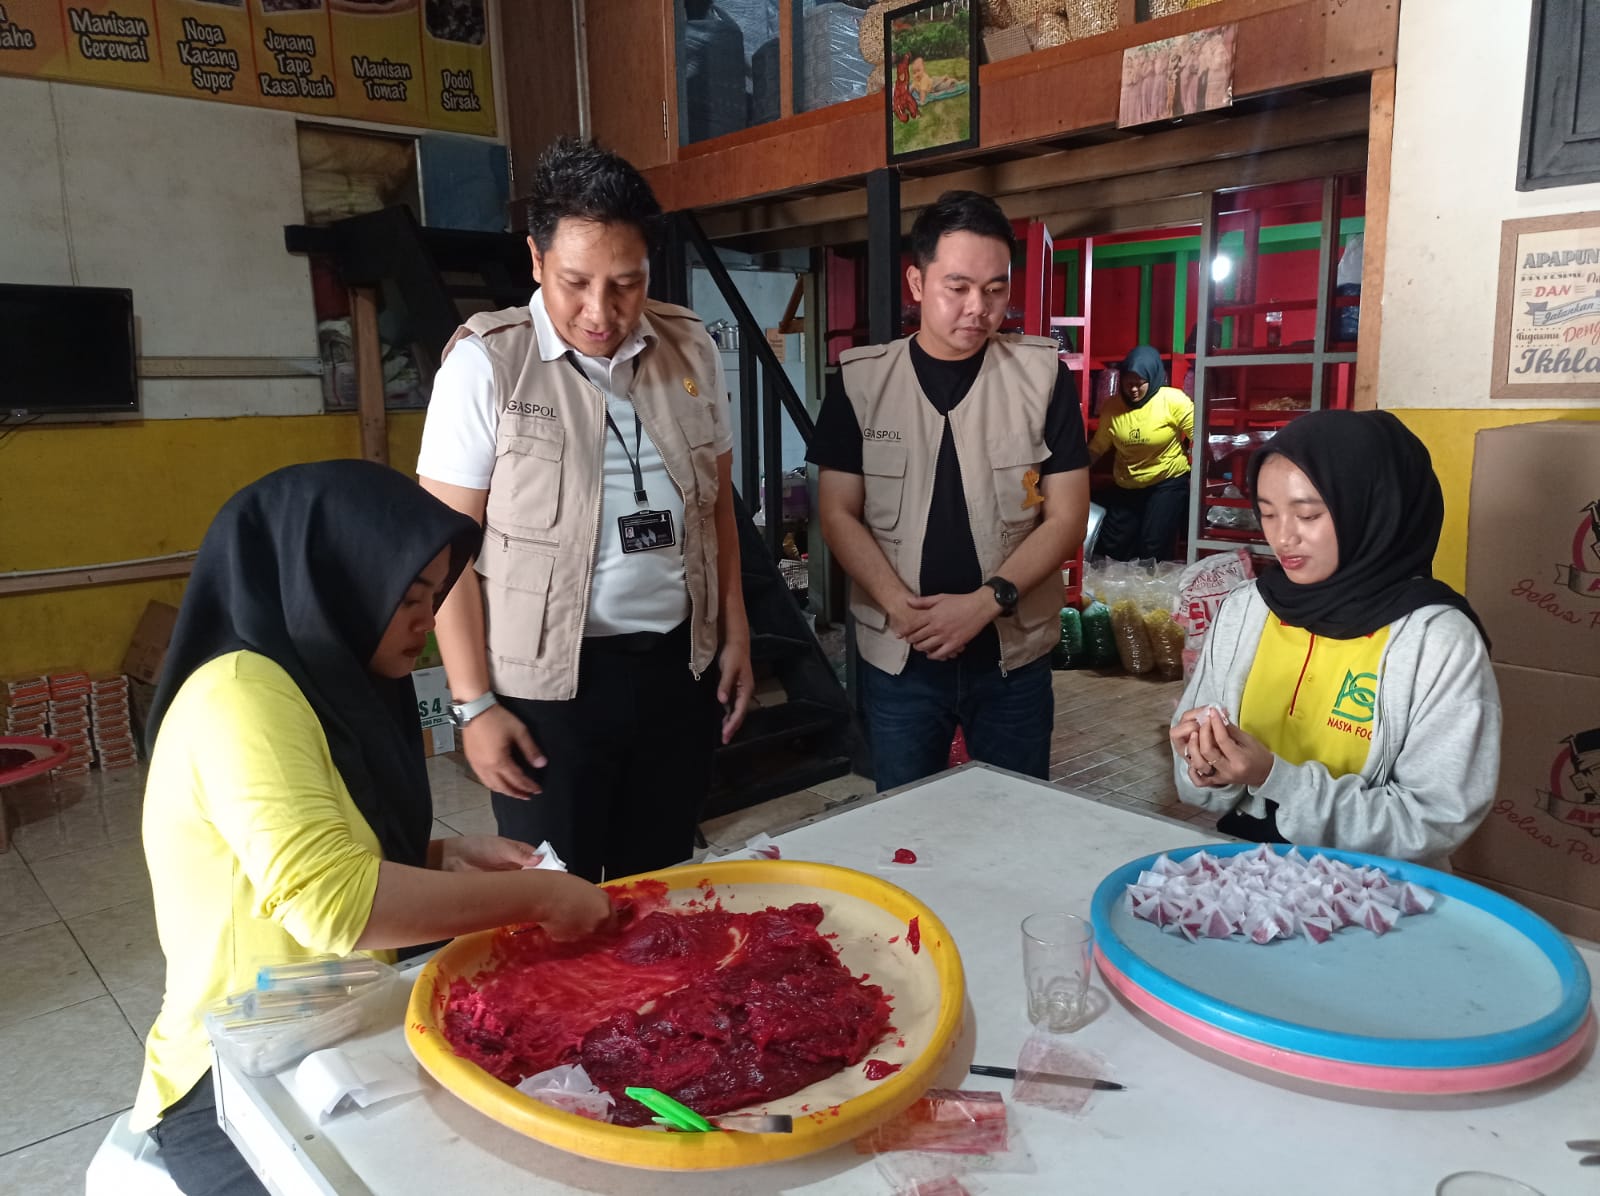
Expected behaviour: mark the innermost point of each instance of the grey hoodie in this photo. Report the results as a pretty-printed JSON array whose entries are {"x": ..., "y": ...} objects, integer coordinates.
[{"x": 1434, "y": 759}]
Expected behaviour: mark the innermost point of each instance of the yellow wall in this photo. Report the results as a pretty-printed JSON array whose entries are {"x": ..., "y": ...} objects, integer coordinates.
[
  {"x": 1449, "y": 435},
  {"x": 81, "y": 495}
]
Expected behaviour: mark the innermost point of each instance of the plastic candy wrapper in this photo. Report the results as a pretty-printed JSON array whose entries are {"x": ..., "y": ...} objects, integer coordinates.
[
  {"x": 944, "y": 1121},
  {"x": 1044, "y": 1055},
  {"x": 1263, "y": 896},
  {"x": 569, "y": 1088},
  {"x": 947, "y": 1137}
]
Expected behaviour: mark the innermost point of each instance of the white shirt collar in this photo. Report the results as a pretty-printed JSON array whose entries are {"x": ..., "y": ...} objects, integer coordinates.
[{"x": 553, "y": 348}]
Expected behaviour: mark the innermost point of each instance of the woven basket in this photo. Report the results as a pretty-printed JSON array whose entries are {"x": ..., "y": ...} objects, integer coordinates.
[
  {"x": 871, "y": 35},
  {"x": 1085, "y": 18},
  {"x": 1049, "y": 29},
  {"x": 997, "y": 14},
  {"x": 1031, "y": 10}
]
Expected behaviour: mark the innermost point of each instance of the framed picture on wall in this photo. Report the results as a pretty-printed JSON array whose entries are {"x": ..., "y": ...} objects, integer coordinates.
[
  {"x": 930, "y": 56},
  {"x": 1547, "y": 318}
]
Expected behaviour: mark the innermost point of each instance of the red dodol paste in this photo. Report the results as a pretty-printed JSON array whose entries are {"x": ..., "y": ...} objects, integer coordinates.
[
  {"x": 718, "y": 1010},
  {"x": 914, "y": 935}
]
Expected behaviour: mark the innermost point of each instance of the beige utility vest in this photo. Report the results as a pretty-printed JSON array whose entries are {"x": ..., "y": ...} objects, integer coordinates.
[
  {"x": 542, "y": 522},
  {"x": 999, "y": 436}
]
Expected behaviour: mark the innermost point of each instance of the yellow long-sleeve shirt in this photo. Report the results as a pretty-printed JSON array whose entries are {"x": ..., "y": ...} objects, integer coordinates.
[
  {"x": 1148, "y": 438},
  {"x": 257, "y": 854}
]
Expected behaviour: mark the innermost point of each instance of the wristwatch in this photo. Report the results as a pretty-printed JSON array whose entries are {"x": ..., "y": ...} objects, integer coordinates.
[
  {"x": 462, "y": 713},
  {"x": 1005, "y": 594}
]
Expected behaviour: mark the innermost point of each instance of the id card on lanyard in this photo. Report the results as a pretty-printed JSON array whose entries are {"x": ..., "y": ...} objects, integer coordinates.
[{"x": 644, "y": 530}]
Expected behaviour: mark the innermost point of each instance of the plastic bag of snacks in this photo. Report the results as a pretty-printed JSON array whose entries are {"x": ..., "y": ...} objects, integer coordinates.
[
  {"x": 1201, "y": 589},
  {"x": 1123, "y": 590},
  {"x": 1068, "y": 652},
  {"x": 1166, "y": 635}
]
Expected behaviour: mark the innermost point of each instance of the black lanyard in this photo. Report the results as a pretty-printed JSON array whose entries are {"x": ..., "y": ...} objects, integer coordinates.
[{"x": 639, "y": 494}]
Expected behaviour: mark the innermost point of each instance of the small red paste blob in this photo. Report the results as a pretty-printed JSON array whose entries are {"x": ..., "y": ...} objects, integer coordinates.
[
  {"x": 904, "y": 855},
  {"x": 877, "y": 1069},
  {"x": 914, "y": 935}
]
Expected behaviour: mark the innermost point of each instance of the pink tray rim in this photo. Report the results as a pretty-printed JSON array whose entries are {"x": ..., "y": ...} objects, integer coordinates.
[{"x": 1367, "y": 1077}]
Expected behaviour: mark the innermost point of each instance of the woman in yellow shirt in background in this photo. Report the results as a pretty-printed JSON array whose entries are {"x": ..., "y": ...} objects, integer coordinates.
[
  {"x": 1149, "y": 424},
  {"x": 287, "y": 811}
]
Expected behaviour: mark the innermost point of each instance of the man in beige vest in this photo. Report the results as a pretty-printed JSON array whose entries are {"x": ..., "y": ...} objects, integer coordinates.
[
  {"x": 604, "y": 619},
  {"x": 954, "y": 483}
]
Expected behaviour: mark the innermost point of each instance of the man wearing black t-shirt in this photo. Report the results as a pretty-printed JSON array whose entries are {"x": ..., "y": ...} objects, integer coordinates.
[{"x": 954, "y": 482}]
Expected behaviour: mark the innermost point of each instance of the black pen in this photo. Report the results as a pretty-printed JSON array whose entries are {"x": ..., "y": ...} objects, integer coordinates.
[{"x": 1010, "y": 1073}]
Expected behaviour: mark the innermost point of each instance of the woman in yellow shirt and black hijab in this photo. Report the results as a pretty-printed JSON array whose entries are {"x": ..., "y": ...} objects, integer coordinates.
[
  {"x": 1149, "y": 424},
  {"x": 287, "y": 812},
  {"x": 1347, "y": 699}
]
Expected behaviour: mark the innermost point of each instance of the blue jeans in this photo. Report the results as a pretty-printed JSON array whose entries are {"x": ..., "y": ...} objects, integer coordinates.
[{"x": 912, "y": 717}]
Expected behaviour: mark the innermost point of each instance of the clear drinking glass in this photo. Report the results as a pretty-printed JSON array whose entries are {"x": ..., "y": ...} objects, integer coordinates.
[{"x": 1056, "y": 952}]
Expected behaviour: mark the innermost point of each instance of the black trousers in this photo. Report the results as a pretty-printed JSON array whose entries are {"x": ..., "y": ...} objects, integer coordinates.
[
  {"x": 199, "y": 1155},
  {"x": 630, "y": 758},
  {"x": 1143, "y": 523}
]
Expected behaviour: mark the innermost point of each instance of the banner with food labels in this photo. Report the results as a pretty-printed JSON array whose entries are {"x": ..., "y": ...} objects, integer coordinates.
[{"x": 421, "y": 63}]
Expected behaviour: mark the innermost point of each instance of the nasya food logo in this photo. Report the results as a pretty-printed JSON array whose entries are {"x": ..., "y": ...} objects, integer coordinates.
[
  {"x": 1352, "y": 709},
  {"x": 1580, "y": 576},
  {"x": 1573, "y": 798}
]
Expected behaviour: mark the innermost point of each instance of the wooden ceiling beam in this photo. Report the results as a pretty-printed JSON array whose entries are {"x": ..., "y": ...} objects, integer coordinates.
[
  {"x": 1262, "y": 132},
  {"x": 1150, "y": 200}
]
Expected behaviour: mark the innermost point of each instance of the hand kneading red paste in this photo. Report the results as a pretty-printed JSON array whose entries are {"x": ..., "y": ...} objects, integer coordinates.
[{"x": 719, "y": 1010}]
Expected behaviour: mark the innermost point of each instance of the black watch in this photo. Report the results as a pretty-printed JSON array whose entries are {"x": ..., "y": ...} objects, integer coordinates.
[{"x": 1005, "y": 594}]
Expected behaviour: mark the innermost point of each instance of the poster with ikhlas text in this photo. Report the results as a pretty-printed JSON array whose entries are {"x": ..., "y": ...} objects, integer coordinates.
[{"x": 1547, "y": 322}]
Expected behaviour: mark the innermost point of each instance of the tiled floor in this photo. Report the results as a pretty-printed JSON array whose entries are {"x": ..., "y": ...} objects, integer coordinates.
[{"x": 81, "y": 981}]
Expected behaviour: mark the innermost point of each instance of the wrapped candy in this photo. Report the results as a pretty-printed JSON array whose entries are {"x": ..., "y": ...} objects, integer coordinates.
[{"x": 1264, "y": 896}]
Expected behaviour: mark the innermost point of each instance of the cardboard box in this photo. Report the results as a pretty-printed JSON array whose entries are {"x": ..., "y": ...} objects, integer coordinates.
[
  {"x": 148, "y": 648},
  {"x": 433, "y": 705},
  {"x": 1533, "y": 544},
  {"x": 1541, "y": 840}
]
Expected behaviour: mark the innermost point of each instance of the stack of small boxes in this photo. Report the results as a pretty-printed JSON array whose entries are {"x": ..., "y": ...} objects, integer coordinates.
[
  {"x": 112, "y": 723},
  {"x": 69, "y": 720},
  {"x": 28, "y": 706}
]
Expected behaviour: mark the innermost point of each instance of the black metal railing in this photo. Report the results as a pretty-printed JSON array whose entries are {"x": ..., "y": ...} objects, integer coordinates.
[{"x": 765, "y": 393}]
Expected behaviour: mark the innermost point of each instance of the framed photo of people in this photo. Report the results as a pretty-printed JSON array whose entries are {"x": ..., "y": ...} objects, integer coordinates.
[{"x": 930, "y": 88}]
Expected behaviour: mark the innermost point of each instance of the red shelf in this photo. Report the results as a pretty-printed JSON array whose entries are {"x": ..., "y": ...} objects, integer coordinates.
[{"x": 1250, "y": 309}]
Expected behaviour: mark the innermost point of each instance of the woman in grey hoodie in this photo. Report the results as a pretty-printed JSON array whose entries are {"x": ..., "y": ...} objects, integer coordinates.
[{"x": 1347, "y": 700}]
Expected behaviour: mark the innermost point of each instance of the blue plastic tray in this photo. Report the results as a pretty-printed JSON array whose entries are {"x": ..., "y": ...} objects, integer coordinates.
[{"x": 1478, "y": 980}]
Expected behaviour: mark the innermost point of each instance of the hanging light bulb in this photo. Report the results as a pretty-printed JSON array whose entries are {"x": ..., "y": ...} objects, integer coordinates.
[{"x": 1221, "y": 267}]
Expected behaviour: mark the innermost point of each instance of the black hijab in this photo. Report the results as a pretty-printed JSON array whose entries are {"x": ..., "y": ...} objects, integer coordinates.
[
  {"x": 1145, "y": 361},
  {"x": 1377, "y": 481},
  {"x": 306, "y": 567}
]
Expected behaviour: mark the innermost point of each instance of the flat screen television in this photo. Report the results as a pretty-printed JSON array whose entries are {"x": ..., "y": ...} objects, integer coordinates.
[{"x": 65, "y": 350}]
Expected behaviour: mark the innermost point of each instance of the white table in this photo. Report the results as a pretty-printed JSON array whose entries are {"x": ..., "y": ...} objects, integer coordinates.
[{"x": 1001, "y": 847}]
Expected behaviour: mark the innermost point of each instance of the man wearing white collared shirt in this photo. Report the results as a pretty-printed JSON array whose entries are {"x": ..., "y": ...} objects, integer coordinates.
[{"x": 588, "y": 433}]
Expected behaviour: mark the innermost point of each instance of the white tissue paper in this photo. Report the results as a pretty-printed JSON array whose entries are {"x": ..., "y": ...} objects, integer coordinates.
[
  {"x": 569, "y": 1088},
  {"x": 761, "y": 847},
  {"x": 325, "y": 1079},
  {"x": 548, "y": 859}
]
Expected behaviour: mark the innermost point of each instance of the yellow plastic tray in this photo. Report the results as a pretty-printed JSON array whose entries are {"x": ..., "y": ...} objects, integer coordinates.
[{"x": 927, "y": 990}]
